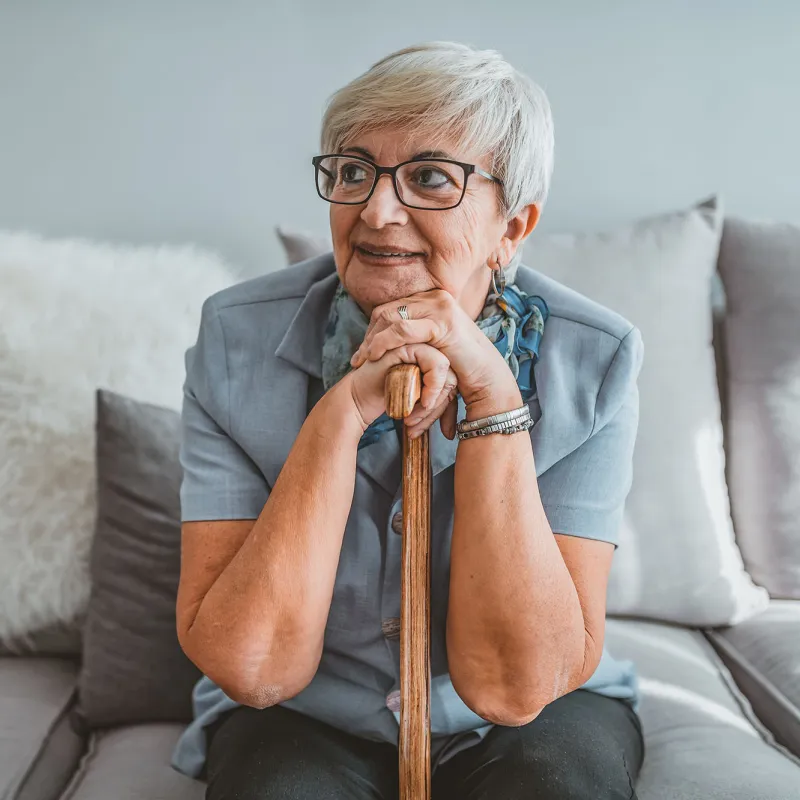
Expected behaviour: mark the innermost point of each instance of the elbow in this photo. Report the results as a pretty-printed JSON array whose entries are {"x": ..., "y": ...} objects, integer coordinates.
[
  {"x": 497, "y": 708},
  {"x": 258, "y": 687},
  {"x": 259, "y": 695},
  {"x": 507, "y": 714},
  {"x": 260, "y": 691}
]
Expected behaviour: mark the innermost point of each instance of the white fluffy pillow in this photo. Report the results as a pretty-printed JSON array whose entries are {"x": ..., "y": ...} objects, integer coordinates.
[{"x": 76, "y": 315}]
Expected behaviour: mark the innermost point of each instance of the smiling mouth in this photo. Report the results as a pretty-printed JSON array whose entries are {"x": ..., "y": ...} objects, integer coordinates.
[{"x": 373, "y": 254}]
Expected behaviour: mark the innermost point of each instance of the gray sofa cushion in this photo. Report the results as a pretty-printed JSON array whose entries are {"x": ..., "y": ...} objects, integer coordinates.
[
  {"x": 702, "y": 740},
  {"x": 38, "y": 749},
  {"x": 760, "y": 267},
  {"x": 132, "y": 763},
  {"x": 133, "y": 667},
  {"x": 763, "y": 654}
]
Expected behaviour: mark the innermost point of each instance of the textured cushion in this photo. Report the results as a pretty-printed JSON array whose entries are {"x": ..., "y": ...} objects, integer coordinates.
[
  {"x": 702, "y": 740},
  {"x": 677, "y": 560},
  {"x": 132, "y": 763},
  {"x": 133, "y": 667},
  {"x": 763, "y": 654},
  {"x": 760, "y": 267},
  {"x": 38, "y": 749},
  {"x": 75, "y": 315}
]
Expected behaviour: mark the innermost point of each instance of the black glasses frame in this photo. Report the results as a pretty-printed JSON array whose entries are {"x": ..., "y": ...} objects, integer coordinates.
[{"x": 469, "y": 169}]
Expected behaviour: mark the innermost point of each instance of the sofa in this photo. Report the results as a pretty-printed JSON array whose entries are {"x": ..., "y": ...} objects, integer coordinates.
[{"x": 704, "y": 595}]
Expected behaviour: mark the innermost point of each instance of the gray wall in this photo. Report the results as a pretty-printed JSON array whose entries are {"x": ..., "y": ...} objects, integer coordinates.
[{"x": 191, "y": 120}]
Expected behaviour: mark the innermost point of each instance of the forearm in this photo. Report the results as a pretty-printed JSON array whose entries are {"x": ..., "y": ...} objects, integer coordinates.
[
  {"x": 267, "y": 610},
  {"x": 515, "y": 631}
]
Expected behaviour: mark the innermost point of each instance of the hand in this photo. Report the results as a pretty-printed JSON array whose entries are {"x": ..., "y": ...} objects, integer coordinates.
[
  {"x": 367, "y": 386},
  {"x": 437, "y": 320}
]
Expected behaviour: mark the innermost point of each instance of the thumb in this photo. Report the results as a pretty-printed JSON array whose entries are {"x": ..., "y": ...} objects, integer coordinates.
[{"x": 448, "y": 420}]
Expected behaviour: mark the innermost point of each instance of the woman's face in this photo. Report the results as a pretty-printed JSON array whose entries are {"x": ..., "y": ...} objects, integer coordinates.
[{"x": 452, "y": 250}]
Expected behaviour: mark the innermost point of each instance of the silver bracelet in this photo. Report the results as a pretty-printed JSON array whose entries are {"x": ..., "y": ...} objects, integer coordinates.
[
  {"x": 522, "y": 412},
  {"x": 514, "y": 427}
]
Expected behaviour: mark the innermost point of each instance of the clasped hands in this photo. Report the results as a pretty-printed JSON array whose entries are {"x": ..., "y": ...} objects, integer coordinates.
[{"x": 453, "y": 354}]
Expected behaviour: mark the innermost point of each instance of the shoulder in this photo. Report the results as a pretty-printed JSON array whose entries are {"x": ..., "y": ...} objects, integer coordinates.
[
  {"x": 242, "y": 325},
  {"x": 589, "y": 361},
  {"x": 287, "y": 284}
]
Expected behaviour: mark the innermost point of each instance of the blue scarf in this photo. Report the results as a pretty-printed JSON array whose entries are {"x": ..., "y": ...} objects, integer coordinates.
[{"x": 513, "y": 321}]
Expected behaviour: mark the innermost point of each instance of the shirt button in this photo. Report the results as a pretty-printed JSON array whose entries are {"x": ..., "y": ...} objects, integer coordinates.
[
  {"x": 397, "y": 523},
  {"x": 393, "y": 701},
  {"x": 391, "y": 627}
]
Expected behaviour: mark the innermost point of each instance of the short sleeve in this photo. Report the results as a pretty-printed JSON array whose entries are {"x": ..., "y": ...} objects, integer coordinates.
[
  {"x": 220, "y": 481},
  {"x": 584, "y": 493}
]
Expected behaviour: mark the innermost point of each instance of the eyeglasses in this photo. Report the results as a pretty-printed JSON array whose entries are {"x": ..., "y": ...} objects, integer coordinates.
[{"x": 434, "y": 184}]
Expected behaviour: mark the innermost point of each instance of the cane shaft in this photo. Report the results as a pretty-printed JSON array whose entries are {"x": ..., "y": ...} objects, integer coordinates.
[{"x": 403, "y": 384}]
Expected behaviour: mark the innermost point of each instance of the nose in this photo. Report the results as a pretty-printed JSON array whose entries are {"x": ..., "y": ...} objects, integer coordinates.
[{"x": 384, "y": 207}]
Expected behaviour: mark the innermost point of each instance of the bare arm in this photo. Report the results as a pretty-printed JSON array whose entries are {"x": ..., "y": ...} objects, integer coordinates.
[
  {"x": 526, "y": 617},
  {"x": 254, "y": 595}
]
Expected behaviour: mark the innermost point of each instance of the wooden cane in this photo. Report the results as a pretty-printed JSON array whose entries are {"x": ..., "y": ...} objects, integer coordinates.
[{"x": 403, "y": 389}]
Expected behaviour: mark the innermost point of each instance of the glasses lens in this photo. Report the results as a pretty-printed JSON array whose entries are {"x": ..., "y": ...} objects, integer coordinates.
[
  {"x": 431, "y": 184},
  {"x": 343, "y": 179}
]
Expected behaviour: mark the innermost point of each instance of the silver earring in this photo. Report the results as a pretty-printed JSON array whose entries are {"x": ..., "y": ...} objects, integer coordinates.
[{"x": 499, "y": 272}]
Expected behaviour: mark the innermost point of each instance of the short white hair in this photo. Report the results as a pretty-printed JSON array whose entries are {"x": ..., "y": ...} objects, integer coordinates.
[{"x": 451, "y": 90}]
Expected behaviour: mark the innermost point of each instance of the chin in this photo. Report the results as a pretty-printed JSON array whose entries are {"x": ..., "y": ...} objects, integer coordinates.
[{"x": 374, "y": 286}]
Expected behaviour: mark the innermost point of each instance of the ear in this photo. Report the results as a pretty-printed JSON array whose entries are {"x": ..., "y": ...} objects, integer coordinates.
[{"x": 519, "y": 228}]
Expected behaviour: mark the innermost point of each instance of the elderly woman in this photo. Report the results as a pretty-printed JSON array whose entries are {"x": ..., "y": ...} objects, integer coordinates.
[{"x": 436, "y": 164}]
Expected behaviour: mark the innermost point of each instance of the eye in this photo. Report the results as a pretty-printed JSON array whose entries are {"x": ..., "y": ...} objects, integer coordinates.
[
  {"x": 352, "y": 172},
  {"x": 429, "y": 177}
]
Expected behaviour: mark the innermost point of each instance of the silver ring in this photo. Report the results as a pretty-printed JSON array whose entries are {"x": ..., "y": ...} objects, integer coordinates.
[{"x": 403, "y": 312}]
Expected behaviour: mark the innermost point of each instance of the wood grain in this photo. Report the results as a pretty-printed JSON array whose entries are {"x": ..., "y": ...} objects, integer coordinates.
[{"x": 403, "y": 386}]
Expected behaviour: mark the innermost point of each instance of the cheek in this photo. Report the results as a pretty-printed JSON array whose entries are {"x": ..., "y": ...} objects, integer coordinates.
[
  {"x": 342, "y": 220},
  {"x": 460, "y": 235}
]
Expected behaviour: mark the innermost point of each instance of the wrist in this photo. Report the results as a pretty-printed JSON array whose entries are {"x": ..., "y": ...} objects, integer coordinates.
[
  {"x": 493, "y": 400},
  {"x": 343, "y": 409}
]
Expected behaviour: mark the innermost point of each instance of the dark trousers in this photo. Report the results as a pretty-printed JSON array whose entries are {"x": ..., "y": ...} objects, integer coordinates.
[{"x": 582, "y": 746}]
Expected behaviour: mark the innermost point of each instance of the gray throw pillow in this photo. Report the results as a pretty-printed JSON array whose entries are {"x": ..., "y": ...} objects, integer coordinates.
[
  {"x": 133, "y": 667},
  {"x": 760, "y": 266}
]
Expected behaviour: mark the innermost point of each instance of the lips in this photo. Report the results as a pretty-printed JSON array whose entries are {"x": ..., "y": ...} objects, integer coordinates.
[{"x": 386, "y": 251}]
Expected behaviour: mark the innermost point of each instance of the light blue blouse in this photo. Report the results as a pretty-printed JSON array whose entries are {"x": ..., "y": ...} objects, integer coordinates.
[{"x": 251, "y": 378}]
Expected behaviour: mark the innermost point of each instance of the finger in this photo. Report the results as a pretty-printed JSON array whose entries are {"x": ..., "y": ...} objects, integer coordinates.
[
  {"x": 449, "y": 419},
  {"x": 433, "y": 365},
  {"x": 383, "y": 317},
  {"x": 413, "y": 331},
  {"x": 435, "y": 368},
  {"x": 437, "y": 412},
  {"x": 421, "y": 417}
]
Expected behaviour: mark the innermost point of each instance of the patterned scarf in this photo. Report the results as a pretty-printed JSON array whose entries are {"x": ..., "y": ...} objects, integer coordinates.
[{"x": 513, "y": 321}]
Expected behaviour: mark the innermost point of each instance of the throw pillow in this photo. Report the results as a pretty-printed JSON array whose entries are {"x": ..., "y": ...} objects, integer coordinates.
[
  {"x": 760, "y": 267},
  {"x": 74, "y": 315},
  {"x": 677, "y": 560},
  {"x": 300, "y": 246},
  {"x": 133, "y": 668}
]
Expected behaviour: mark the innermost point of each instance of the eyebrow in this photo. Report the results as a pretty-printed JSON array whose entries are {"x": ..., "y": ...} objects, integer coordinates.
[{"x": 421, "y": 155}]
